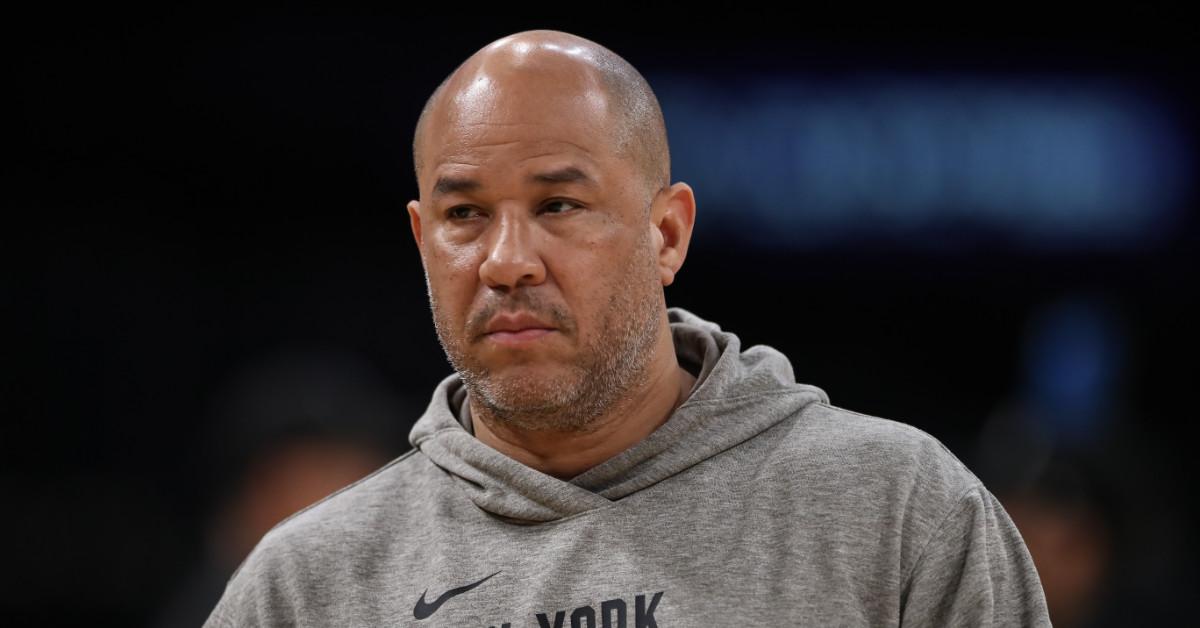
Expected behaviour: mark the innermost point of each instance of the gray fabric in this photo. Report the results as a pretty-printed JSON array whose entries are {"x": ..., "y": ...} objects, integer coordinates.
[
  {"x": 461, "y": 409},
  {"x": 756, "y": 504}
]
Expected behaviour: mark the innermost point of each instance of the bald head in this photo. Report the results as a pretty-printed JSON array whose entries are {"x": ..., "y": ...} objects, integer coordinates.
[{"x": 631, "y": 113}]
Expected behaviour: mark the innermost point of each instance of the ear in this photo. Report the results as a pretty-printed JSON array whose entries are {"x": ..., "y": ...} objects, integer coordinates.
[
  {"x": 672, "y": 219},
  {"x": 414, "y": 217}
]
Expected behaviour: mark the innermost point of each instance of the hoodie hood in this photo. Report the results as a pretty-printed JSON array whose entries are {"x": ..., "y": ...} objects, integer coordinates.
[{"x": 737, "y": 395}]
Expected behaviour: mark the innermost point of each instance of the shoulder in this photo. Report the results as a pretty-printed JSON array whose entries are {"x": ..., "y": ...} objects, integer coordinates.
[
  {"x": 876, "y": 443},
  {"x": 357, "y": 508},
  {"x": 885, "y": 463},
  {"x": 325, "y": 542},
  {"x": 363, "y": 502},
  {"x": 868, "y": 472}
]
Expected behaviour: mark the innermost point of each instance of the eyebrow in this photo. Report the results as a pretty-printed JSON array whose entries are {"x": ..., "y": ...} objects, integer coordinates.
[{"x": 569, "y": 174}]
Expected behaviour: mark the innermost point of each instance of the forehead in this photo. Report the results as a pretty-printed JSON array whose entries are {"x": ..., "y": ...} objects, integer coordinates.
[{"x": 502, "y": 121}]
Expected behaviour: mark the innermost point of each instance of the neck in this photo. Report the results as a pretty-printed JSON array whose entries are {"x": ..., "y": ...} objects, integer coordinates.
[{"x": 566, "y": 454}]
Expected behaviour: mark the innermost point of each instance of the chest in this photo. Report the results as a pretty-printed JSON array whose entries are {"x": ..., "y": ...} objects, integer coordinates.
[{"x": 714, "y": 556}]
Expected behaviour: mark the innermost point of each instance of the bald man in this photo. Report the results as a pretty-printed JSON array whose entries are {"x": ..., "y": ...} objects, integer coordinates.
[{"x": 598, "y": 459}]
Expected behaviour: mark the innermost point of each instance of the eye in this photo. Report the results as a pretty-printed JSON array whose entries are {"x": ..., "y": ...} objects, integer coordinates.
[
  {"x": 460, "y": 212},
  {"x": 558, "y": 206}
]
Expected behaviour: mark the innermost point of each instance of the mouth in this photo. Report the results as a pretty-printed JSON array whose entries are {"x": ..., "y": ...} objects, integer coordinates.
[
  {"x": 516, "y": 329},
  {"x": 517, "y": 338}
]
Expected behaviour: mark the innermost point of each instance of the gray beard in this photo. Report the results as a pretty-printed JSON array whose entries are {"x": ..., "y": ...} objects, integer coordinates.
[
  {"x": 577, "y": 401},
  {"x": 607, "y": 371}
]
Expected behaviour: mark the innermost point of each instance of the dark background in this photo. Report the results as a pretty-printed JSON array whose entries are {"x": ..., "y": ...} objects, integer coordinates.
[{"x": 188, "y": 192}]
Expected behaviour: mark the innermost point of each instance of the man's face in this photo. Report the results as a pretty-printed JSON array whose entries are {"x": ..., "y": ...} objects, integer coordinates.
[{"x": 538, "y": 252}]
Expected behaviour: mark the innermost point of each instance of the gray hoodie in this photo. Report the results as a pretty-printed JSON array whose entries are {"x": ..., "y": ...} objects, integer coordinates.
[{"x": 756, "y": 504}]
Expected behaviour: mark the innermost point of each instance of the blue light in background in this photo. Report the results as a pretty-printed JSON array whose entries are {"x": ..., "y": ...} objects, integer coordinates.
[
  {"x": 1043, "y": 163},
  {"x": 1073, "y": 366}
]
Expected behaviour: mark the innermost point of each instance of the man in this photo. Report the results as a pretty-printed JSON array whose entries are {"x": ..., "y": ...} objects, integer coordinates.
[{"x": 597, "y": 459}]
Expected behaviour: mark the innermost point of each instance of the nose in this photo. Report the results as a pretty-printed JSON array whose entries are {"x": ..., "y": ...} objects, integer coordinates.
[{"x": 512, "y": 257}]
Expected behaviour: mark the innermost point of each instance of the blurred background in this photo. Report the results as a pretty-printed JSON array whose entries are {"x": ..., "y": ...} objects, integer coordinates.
[{"x": 983, "y": 224}]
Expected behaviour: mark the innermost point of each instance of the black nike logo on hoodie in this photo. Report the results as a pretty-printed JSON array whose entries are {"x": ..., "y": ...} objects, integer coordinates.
[{"x": 424, "y": 609}]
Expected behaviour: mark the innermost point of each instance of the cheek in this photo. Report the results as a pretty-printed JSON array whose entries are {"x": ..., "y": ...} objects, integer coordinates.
[
  {"x": 453, "y": 277},
  {"x": 453, "y": 257},
  {"x": 594, "y": 272}
]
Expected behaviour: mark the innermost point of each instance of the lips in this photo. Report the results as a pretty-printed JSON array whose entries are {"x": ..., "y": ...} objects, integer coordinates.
[
  {"x": 516, "y": 322},
  {"x": 516, "y": 329}
]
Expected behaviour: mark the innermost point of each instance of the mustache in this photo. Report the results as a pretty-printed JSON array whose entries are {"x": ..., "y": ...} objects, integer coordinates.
[{"x": 519, "y": 301}]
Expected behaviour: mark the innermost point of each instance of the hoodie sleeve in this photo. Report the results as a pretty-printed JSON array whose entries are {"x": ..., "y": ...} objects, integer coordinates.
[
  {"x": 975, "y": 571},
  {"x": 266, "y": 589},
  {"x": 239, "y": 605}
]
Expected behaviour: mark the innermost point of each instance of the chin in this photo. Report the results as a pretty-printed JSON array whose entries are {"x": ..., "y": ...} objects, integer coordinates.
[{"x": 530, "y": 391}]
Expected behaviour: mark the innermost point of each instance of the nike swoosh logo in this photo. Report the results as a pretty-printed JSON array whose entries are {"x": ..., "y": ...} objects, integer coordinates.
[{"x": 424, "y": 609}]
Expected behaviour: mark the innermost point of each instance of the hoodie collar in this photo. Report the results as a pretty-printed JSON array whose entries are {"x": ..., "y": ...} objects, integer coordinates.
[{"x": 737, "y": 395}]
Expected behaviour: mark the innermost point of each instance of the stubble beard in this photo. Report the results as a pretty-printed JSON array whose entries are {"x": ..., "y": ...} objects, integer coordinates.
[{"x": 611, "y": 365}]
